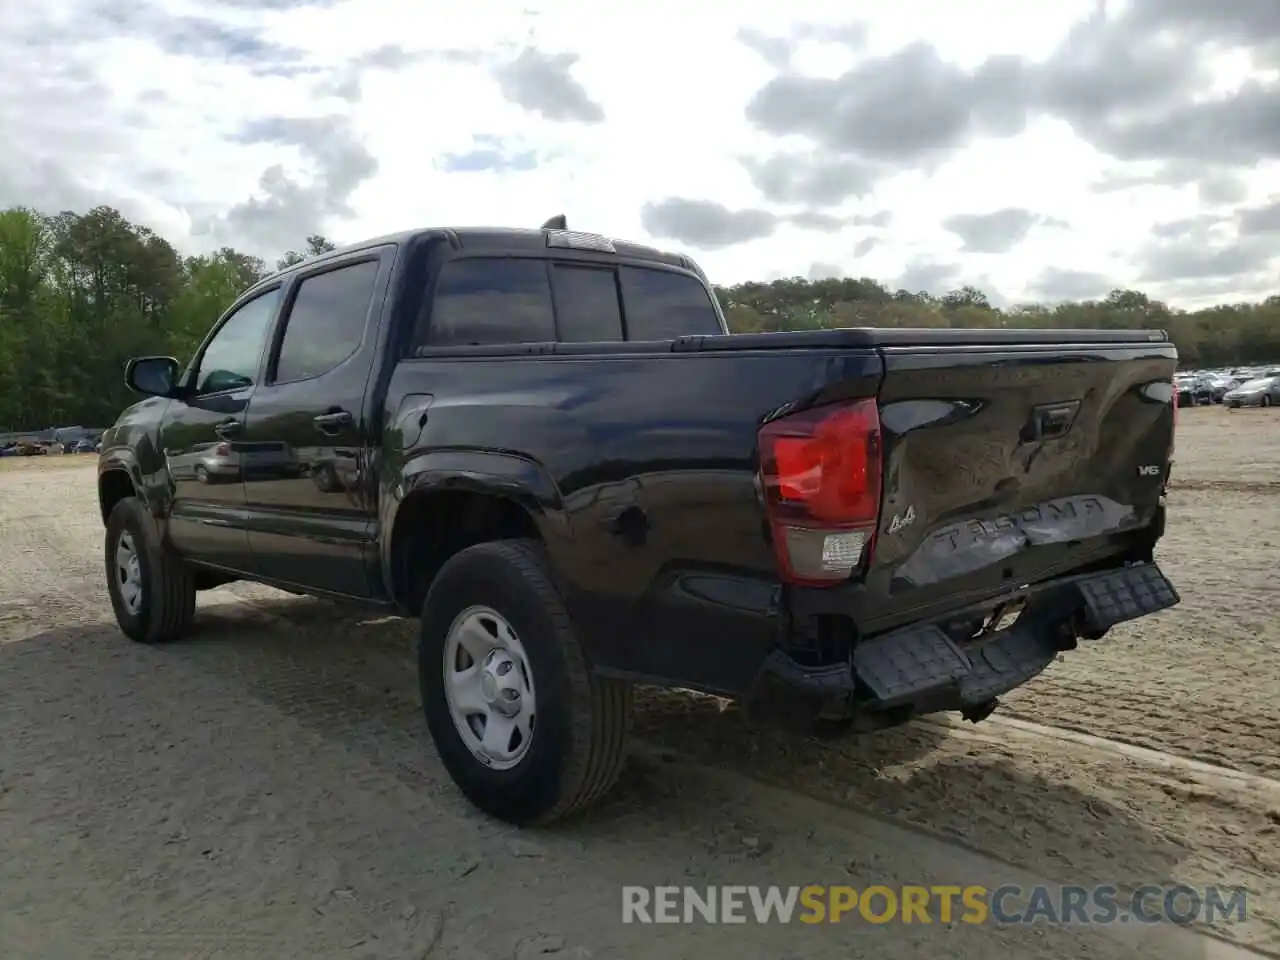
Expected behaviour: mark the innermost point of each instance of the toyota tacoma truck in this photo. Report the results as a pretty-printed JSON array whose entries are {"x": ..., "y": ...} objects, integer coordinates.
[{"x": 546, "y": 446}]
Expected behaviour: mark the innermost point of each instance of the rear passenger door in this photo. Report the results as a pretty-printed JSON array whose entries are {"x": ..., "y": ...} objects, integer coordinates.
[{"x": 306, "y": 443}]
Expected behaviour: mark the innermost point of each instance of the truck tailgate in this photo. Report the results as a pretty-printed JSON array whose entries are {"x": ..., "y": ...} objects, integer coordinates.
[{"x": 1009, "y": 463}]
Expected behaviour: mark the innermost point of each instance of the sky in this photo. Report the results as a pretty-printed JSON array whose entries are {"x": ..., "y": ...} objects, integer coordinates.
[{"x": 1039, "y": 151}]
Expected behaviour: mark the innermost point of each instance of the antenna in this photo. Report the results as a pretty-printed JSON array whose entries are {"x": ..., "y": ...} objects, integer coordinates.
[{"x": 556, "y": 223}]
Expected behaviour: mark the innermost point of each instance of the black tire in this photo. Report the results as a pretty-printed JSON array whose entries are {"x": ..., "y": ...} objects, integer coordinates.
[
  {"x": 168, "y": 585},
  {"x": 326, "y": 479},
  {"x": 202, "y": 473},
  {"x": 1266, "y": 401},
  {"x": 579, "y": 744}
]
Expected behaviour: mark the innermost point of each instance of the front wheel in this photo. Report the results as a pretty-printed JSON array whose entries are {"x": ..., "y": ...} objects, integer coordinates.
[
  {"x": 1266, "y": 401},
  {"x": 524, "y": 728},
  {"x": 153, "y": 592}
]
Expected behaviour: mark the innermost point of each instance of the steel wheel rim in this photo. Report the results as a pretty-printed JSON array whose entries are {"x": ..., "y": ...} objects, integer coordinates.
[
  {"x": 128, "y": 573},
  {"x": 488, "y": 686}
]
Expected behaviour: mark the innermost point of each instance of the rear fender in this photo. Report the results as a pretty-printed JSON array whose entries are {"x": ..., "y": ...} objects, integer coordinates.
[{"x": 518, "y": 479}]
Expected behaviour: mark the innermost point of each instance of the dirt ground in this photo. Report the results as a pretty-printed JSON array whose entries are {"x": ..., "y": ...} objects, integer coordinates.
[{"x": 266, "y": 788}]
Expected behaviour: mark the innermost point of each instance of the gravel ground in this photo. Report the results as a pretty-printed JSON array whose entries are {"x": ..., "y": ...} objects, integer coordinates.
[{"x": 266, "y": 787}]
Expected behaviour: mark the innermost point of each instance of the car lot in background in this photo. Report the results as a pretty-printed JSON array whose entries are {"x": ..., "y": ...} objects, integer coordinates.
[
  {"x": 1259, "y": 392},
  {"x": 34, "y": 443},
  {"x": 1197, "y": 387}
]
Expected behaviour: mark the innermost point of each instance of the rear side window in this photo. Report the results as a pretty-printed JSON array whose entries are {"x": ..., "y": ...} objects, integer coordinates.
[
  {"x": 492, "y": 301},
  {"x": 662, "y": 305},
  {"x": 326, "y": 322},
  {"x": 587, "y": 304}
]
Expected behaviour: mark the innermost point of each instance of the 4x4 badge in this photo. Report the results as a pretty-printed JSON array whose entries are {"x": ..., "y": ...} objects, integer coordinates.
[{"x": 901, "y": 521}]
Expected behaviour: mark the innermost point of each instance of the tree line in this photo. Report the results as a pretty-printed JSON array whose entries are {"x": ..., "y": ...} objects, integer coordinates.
[
  {"x": 1224, "y": 335},
  {"x": 80, "y": 293}
]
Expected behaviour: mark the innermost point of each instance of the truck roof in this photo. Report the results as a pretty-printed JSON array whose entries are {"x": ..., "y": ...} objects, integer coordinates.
[{"x": 497, "y": 240}]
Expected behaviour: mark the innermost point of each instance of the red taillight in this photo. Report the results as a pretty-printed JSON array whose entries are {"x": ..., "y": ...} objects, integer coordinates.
[
  {"x": 221, "y": 450},
  {"x": 820, "y": 469}
]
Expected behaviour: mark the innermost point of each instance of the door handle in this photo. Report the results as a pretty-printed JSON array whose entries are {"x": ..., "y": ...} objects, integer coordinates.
[
  {"x": 333, "y": 421},
  {"x": 229, "y": 428}
]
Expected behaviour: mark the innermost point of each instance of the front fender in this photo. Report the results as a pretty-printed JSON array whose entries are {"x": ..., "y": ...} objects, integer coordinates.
[
  {"x": 125, "y": 461},
  {"x": 131, "y": 445},
  {"x": 147, "y": 471}
]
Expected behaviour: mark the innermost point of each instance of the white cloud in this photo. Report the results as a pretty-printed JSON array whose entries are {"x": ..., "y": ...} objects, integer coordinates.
[{"x": 148, "y": 109}]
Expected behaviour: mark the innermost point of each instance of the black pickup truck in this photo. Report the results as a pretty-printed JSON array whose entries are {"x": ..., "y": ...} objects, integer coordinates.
[{"x": 545, "y": 444}]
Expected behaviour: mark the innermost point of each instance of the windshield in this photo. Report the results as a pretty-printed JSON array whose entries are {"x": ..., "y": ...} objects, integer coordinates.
[{"x": 1256, "y": 384}]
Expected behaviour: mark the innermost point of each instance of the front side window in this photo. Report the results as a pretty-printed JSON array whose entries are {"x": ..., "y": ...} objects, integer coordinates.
[
  {"x": 491, "y": 301},
  {"x": 230, "y": 360},
  {"x": 326, "y": 322}
]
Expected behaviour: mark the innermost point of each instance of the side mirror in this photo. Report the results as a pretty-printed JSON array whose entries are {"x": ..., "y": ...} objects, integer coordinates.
[{"x": 152, "y": 376}]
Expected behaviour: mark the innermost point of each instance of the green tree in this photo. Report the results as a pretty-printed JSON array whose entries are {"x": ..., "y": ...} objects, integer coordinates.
[
  {"x": 82, "y": 292},
  {"x": 316, "y": 245}
]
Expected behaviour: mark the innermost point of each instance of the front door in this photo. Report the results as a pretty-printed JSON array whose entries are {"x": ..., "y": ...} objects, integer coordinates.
[
  {"x": 306, "y": 441},
  {"x": 200, "y": 437}
]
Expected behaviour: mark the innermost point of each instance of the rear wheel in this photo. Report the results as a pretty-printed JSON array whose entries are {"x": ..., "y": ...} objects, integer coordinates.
[
  {"x": 1266, "y": 400},
  {"x": 524, "y": 728},
  {"x": 153, "y": 592}
]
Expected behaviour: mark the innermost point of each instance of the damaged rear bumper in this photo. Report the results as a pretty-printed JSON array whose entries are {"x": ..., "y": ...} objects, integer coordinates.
[{"x": 922, "y": 666}]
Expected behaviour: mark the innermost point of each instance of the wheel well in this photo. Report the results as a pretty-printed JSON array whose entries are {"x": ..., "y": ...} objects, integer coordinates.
[
  {"x": 431, "y": 527},
  {"x": 113, "y": 486}
]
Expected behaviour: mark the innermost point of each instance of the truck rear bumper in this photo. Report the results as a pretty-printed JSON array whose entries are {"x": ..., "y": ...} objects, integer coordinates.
[{"x": 924, "y": 669}]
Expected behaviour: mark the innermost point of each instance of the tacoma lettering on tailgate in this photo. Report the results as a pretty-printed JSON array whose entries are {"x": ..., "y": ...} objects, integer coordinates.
[{"x": 969, "y": 545}]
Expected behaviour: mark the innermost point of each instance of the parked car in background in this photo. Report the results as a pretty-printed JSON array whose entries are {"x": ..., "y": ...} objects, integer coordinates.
[
  {"x": 1219, "y": 385},
  {"x": 1183, "y": 385},
  {"x": 209, "y": 462},
  {"x": 68, "y": 437},
  {"x": 1262, "y": 392},
  {"x": 1195, "y": 389}
]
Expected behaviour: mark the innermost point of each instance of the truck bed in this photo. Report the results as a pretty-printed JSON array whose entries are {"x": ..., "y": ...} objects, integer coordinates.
[
  {"x": 843, "y": 338},
  {"x": 647, "y": 455}
]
